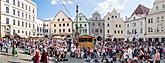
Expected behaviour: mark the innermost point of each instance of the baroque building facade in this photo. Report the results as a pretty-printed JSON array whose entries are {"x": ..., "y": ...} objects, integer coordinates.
[
  {"x": 97, "y": 26},
  {"x": 61, "y": 25},
  {"x": 114, "y": 26},
  {"x": 136, "y": 24},
  {"x": 18, "y": 17}
]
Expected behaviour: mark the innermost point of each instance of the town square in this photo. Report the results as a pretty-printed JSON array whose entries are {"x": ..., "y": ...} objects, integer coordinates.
[{"x": 82, "y": 31}]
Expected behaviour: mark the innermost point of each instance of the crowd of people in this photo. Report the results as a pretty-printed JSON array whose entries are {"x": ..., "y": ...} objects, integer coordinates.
[{"x": 105, "y": 52}]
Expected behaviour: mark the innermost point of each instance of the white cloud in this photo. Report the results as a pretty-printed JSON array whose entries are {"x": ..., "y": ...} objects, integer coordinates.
[
  {"x": 70, "y": 2},
  {"x": 51, "y": 18},
  {"x": 108, "y": 5},
  {"x": 54, "y": 2}
]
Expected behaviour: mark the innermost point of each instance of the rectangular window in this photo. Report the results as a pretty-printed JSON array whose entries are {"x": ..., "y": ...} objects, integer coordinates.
[
  {"x": 18, "y": 4},
  {"x": 18, "y": 23},
  {"x": 148, "y": 20},
  {"x": 13, "y": 21},
  {"x": 26, "y": 16},
  {"x": 29, "y": 8},
  {"x": 64, "y": 25},
  {"x": 22, "y": 24},
  {"x": 29, "y": 25},
  {"x": 157, "y": 19},
  {"x": 22, "y": 6},
  {"x": 22, "y": 14},
  {"x": 107, "y": 25},
  {"x": 13, "y": 11},
  {"x": 54, "y": 25},
  {"x": 163, "y": 6},
  {"x": 13, "y": 2},
  {"x": 33, "y": 10},
  {"x": 141, "y": 30},
  {"x": 7, "y": 20},
  {"x": 128, "y": 32},
  {"x": 26, "y": 24},
  {"x": 156, "y": 7},
  {"x": 54, "y": 30},
  {"x": 33, "y": 26},
  {"x": 67, "y": 24},
  {"x": 26, "y": 6},
  {"x": 7, "y": 9},
  {"x": 134, "y": 24},
  {"x": 68, "y": 30},
  {"x": 59, "y": 25},
  {"x": 162, "y": 18},
  {"x": 80, "y": 25},
  {"x": 63, "y": 30},
  {"x": 141, "y": 23},
  {"x": 60, "y": 30},
  {"x": 151, "y": 20},
  {"x": 85, "y": 30},
  {"x": 18, "y": 13},
  {"x": 29, "y": 17},
  {"x": 107, "y": 31},
  {"x": 127, "y": 25},
  {"x": 33, "y": 18},
  {"x": 101, "y": 31}
]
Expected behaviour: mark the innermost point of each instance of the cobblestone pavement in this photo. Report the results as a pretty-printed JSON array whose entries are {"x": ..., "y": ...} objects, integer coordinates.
[{"x": 23, "y": 58}]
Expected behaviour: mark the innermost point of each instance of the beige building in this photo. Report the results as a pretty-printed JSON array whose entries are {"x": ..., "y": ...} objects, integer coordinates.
[
  {"x": 61, "y": 25},
  {"x": 114, "y": 26},
  {"x": 156, "y": 22}
]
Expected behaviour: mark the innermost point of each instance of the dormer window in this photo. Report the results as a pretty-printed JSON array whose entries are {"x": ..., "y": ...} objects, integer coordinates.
[
  {"x": 156, "y": 7},
  {"x": 96, "y": 18},
  {"x": 112, "y": 17},
  {"x": 134, "y": 18},
  {"x": 108, "y": 18},
  {"x": 80, "y": 19},
  {"x": 115, "y": 16}
]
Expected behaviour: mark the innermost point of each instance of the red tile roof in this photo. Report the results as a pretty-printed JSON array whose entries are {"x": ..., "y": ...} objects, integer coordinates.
[{"x": 141, "y": 10}]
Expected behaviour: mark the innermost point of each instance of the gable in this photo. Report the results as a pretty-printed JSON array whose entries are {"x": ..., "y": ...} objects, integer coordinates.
[{"x": 61, "y": 17}]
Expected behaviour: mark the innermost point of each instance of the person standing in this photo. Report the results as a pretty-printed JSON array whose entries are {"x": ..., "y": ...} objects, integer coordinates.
[
  {"x": 36, "y": 55},
  {"x": 45, "y": 56},
  {"x": 1, "y": 45},
  {"x": 157, "y": 57}
]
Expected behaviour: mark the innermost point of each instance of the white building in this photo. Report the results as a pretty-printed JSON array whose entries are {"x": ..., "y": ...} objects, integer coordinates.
[
  {"x": 156, "y": 22},
  {"x": 97, "y": 26},
  {"x": 40, "y": 27},
  {"x": 47, "y": 28},
  {"x": 136, "y": 24},
  {"x": 19, "y": 16},
  {"x": 83, "y": 24},
  {"x": 114, "y": 26},
  {"x": 61, "y": 25}
]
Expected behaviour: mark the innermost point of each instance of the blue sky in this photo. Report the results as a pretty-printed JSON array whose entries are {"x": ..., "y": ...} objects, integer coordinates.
[{"x": 49, "y": 8}]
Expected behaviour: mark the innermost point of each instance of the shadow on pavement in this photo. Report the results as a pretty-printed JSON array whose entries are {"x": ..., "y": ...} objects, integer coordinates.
[
  {"x": 26, "y": 59},
  {"x": 13, "y": 62},
  {"x": 5, "y": 54},
  {"x": 21, "y": 52}
]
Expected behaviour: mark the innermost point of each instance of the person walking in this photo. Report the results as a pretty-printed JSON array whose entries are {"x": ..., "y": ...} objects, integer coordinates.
[
  {"x": 14, "y": 51},
  {"x": 36, "y": 55}
]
